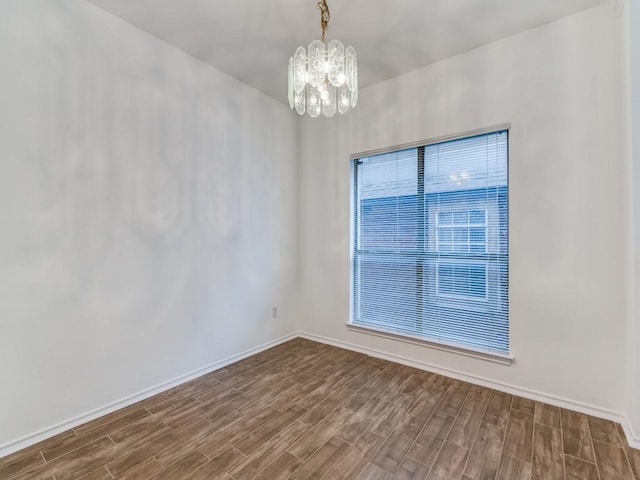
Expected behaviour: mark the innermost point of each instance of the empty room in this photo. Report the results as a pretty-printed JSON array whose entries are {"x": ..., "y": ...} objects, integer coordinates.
[{"x": 320, "y": 239}]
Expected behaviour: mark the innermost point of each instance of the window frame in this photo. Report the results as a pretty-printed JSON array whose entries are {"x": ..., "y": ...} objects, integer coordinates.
[
  {"x": 465, "y": 350},
  {"x": 467, "y": 225}
]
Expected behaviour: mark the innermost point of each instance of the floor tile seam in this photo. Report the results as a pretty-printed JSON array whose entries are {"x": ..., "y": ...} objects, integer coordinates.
[
  {"x": 439, "y": 404},
  {"x": 406, "y": 453},
  {"x": 475, "y": 435},
  {"x": 543, "y": 423},
  {"x": 615, "y": 445},
  {"x": 15, "y": 474},
  {"x": 521, "y": 410},
  {"x": 432, "y": 379},
  {"x": 316, "y": 450},
  {"x": 565, "y": 429},
  {"x": 580, "y": 459},
  {"x": 109, "y": 437},
  {"x": 302, "y": 462},
  {"x": 265, "y": 367},
  {"x": 508, "y": 410},
  {"x": 22, "y": 455},
  {"x": 382, "y": 444},
  {"x": 240, "y": 439},
  {"x": 149, "y": 411},
  {"x": 536, "y": 425},
  {"x": 108, "y": 471},
  {"x": 347, "y": 441},
  {"x": 228, "y": 472},
  {"x": 235, "y": 444},
  {"x": 564, "y": 455},
  {"x": 514, "y": 458},
  {"x": 564, "y": 460},
  {"x": 77, "y": 448},
  {"x": 315, "y": 403},
  {"x": 619, "y": 448},
  {"x": 338, "y": 406},
  {"x": 435, "y": 458},
  {"x": 107, "y": 423},
  {"x": 533, "y": 432},
  {"x": 464, "y": 400},
  {"x": 624, "y": 449},
  {"x": 593, "y": 447},
  {"x": 201, "y": 417},
  {"x": 504, "y": 437},
  {"x": 207, "y": 456},
  {"x": 413, "y": 404},
  {"x": 329, "y": 469}
]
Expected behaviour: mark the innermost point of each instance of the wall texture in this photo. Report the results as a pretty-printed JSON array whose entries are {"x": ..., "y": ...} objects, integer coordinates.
[
  {"x": 559, "y": 86},
  {"x": 147, "y": 214},
  {"x": 632, "y": 18}
]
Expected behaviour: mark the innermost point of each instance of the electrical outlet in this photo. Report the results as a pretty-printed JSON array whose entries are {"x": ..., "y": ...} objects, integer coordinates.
[{"x": 274, "y": 312}]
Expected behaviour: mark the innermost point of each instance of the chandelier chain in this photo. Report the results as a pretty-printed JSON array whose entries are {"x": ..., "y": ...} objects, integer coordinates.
[{"x": 325, "y": 16}]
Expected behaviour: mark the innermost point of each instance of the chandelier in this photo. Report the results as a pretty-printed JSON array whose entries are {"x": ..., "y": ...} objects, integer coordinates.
[{"x": 323, "y": 78}]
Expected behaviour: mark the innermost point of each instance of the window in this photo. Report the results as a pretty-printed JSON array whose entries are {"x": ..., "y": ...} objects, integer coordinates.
[
  {"x": 462, "y": 280},
  {"x": 430, "y": 242},
  {"x": 463, "y": 231}
]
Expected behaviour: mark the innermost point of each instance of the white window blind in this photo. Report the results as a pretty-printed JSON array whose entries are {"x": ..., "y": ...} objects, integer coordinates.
[{"x": 430, "y": 250}]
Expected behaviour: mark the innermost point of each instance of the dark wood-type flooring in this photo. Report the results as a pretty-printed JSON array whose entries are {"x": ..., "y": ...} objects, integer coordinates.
[{"x": 308, "y": 411}]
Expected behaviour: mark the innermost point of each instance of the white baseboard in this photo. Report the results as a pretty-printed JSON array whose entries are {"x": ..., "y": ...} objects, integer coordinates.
[
  {"x": 49, "y": 432},
  {"x": 632, "y": 437}
]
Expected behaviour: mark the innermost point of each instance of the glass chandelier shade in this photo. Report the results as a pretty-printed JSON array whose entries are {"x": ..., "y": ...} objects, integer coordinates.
[{"x": 323, "y": 78}]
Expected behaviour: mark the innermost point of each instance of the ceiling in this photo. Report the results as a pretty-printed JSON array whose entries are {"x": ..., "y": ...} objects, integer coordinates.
[{"x": 252, "y": 40}]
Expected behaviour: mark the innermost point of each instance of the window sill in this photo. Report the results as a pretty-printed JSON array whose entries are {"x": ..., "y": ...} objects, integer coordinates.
[{"x": 416, "y": 340}]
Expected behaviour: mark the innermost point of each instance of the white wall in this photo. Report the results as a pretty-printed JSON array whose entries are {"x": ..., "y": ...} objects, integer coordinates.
[
  {"x": 148, "y": 210},
  {"x": 632, "y": 12},
  {"x": 560, "y": 87},
  {"x": 147, "y": 214}
]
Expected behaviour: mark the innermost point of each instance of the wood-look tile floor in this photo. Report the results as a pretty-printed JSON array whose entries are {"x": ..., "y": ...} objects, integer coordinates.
[{"x": 304, "y": 410}]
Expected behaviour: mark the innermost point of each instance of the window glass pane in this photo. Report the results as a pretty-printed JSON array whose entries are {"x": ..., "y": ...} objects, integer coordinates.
[
  {"x": 445, "y": 235},
  {"x": 461, "y": 247},
  {"x": 444, "y": 218},
  {"x": 387, "y": 188},
  {"x": 477, "y": 234},
  {"x": 420, "y": 260},
  {"x": 460, "y": 234},
  {"x": 477, "y": 216},
  {"x": 445, "y": 247},
  {"x": 461, "y": 278},
  {"x": 388, "y": 291},
  {"x": 461, "y": 218},
  {"x": 445, "y": 279},
  {"x": 477, "y": 280}
]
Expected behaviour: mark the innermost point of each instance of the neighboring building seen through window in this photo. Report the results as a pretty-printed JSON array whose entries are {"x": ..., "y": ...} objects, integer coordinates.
[
  {"x": 462, "y": 231},
  {"x": 430, "y": 250}
]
